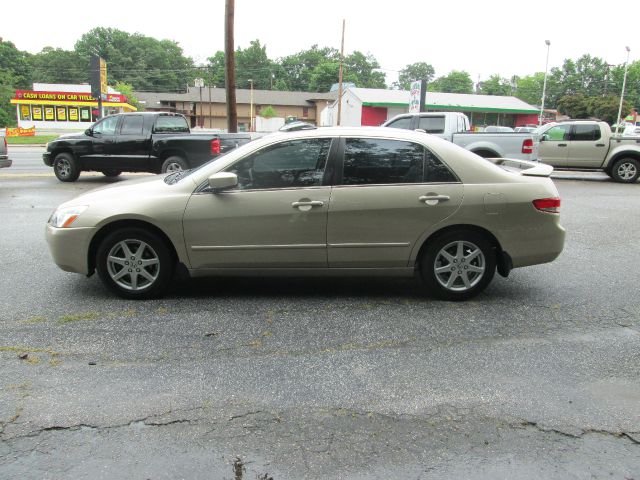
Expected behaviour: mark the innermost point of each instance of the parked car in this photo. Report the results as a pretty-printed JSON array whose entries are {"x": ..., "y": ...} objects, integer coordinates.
[
  {"x": 497, "y": 129},
  {"x": 5, "y": 161},
  {"x": 156, "y": 142},
  {"x": 331, "y": 201},
  {"x": 589, "y": 145},
  {"x": 525, "y": 129},
  {"x": 454, "y": 126}
]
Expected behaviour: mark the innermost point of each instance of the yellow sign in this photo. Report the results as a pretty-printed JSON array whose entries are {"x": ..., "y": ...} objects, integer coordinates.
[
  {"x": 37, "y": 113},
  {"x": 103, "y": 76},
  {"x": 21, "y": 132},
  {"x": 73, "y": 114},
  {"x": 48, "y": 113},
  {"x": 61, "y": 113},
  {"x": 24, "y": 110}
]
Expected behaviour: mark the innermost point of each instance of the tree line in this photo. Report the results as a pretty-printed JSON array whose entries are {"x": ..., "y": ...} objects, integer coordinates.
[{"x": 588, "y": 86}]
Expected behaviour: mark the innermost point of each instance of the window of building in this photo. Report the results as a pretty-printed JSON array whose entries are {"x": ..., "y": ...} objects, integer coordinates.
[
  {"x": 85, "y": 114},
  {"x": 49, "y": 113},
  {"x": 73, "y": 114},
  {"x": 61, "y": 114},
  {"x": 25, "y": 112},
  {"x": 131, "y": 125},
  {"x": 305, "y": 112},
  {"x": 37, "y": 113},
  {"x": 290, "y": 164},
  {"x": 380, "y": 161}
]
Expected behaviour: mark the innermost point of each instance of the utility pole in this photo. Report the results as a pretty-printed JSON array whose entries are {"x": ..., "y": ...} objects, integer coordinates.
[
  {"x": 230, "y": 67},
  {"x": 544, "y": 85},
  {"x": 624, "y": 84},
  {"x": 340, "y": 76},
  {"x": 251, "y": 126}
]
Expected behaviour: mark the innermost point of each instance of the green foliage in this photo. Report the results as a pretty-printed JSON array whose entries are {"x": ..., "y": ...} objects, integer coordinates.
[
  {"x": 496, "y": 85},
  {"x": 268, "y": 112},
  {"x": 413, "y": 72},
  {"x": 126, "y": 89},
  {"x": 298, "y": 68},
  {"x": 7, "y": 111},
  {"x": 603, "y": 108},
  {"x": 529, "y": 88},
  {"x": 14, "y": 74},
  {"x": 454, "y": 82},
  {"x": 54, "y": 65},
  {"x": 574, "y": 106}
]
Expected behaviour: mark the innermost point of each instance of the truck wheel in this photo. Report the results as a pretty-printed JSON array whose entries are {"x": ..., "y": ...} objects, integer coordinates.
[
  {"x": 66, "y": 168},
  {"x": 626, "y": 170},
  {"x": 174, "y": 164},
  {"x": 135, "y": 263},
  {"x": 458, "y": 265},
  {"x": 111, "y": 173}
]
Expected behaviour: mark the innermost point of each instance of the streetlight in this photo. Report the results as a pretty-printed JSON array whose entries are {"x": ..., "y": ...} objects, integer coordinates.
[
  {"x": 251, "y": 107},
  {"x": 544, "y": 85},
  {"x": 624, "y": 84}
]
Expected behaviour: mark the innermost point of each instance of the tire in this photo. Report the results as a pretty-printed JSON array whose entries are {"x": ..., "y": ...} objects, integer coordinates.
[
  {"x": 450, "y": 251},
  {"x": 111, "y": 173},
  {"x": 174, "y": 164},
  {"x": 154, "y": 263},
  {"x": 625, "y": 170},
  {"x": 66, "y": 167}
]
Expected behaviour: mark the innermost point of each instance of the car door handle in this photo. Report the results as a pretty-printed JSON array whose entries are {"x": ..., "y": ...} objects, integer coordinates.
[
  {"x": 600, "y": 145},
  {"x": 310, "y": 203},
  {"x": 433, "y": 198},
  {"x": 562, "y": 144}
]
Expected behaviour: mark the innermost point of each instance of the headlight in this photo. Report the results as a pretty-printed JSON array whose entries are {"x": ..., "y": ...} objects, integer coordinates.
[{"x": 64, "y": 217}]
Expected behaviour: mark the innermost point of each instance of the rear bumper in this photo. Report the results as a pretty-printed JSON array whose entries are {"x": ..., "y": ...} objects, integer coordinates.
[
  {"x": 69, "y": 247},
  {"x": 541, "y": 243},
  {"x": 47, "y": 159},
  {"x": 5, "y": 161}
]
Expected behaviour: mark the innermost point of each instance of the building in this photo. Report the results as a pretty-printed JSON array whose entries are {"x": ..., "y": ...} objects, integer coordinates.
[
  {"x": 369, "y": 106},
  {"x": 207, "y": 107},
  {"x": 61, "y": 106}
]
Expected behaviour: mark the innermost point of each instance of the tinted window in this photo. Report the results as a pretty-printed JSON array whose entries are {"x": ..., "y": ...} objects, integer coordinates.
[
  {"x": 107, "y": 126},
  {"x": 131, "y": 125},
  {"x": 436, "y": 171},
  {"x": 169, "y": 124},
  {"x": 404, "y": 122},
  {"x": 558, "y": 133},
  {"x": 378, "y": 161},
  {"x": 296, "y": 163},
  {"x": 431, "y": 124},
  {"x": 586, "y": 132}
]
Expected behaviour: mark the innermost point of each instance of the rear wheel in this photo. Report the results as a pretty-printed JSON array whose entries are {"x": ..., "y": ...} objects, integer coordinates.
[
  {"x": 111, "y": 173},
  {"x": 174, "y": 164},
  {"x": 66, "y": 168},
  {"x": 135, "y": 263},
  {"x": 626, "y": 170},
  {"x": 458, "y": 265}
]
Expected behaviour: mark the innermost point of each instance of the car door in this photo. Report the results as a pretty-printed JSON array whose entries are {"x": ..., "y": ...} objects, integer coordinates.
[
  {"x": 554, "y": 146},
  {"x": 103, "y": 138},
  {"x": 387, "y": 194},
  {"x": 131, "y": 149},
  {"x": 276, "y": 218},
  {"x": 587, "y": 149}
]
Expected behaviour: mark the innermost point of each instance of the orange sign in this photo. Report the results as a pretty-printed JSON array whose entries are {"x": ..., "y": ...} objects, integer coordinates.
[{"x": 21, "y": 132}]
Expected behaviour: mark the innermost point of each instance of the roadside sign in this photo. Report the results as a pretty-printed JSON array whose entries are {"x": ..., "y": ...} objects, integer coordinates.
[{"x": 414, "y": 100}]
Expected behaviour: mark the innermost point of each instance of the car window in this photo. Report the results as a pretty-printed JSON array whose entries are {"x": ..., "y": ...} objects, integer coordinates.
[
  {"x": 436, "y": 171},
  {"x": 381, "y": 161},
  {"x": 431, "y": 124},
  {"x": 585, "y": 133},
  {"x": 294, "y": 163},
  {"x": 131, "y": 125},
  {"x": 404, "y": 122},
  {"x": 107, "y": 126},
  {"x": 558, "y": 133},
  {"x": 171, "y": 124}
]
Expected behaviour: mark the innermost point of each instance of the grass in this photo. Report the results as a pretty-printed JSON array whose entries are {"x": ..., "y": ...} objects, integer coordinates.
[
  {"x": 78, "y": 317},
  {"x": 35, "y": 140}
]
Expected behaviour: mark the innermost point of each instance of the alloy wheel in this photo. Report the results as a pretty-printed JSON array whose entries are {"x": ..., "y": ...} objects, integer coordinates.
[
  {"x": 627, "y": 170},
  {"x": 133, "y": 265},
  {"x": 63, "y": 167},
  {"x": 459, "y": 266},
  {"x": 174, "y": 167}
]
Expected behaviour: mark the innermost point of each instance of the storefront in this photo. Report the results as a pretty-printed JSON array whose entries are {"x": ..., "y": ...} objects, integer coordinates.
[{"x": 54, "y": 106}]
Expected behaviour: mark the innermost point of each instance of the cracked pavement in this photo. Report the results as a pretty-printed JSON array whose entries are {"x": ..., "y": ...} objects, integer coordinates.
[{"x": 289, "y": 379}]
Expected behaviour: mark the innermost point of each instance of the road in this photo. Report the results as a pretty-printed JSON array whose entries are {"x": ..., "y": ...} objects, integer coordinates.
[{"x": 288, "y": 379}]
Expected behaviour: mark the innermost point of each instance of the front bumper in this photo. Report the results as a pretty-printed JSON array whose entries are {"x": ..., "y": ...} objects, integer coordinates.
[
  {"x": 47, "y": 159},
  {"x": 5, "y": 161},
  {"x": 69, "y": 247}
]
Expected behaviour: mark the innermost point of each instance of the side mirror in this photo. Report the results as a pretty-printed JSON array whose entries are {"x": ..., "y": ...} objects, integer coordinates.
[
  {"x": 223, "y": 181},
  {"x": 421, "y": 130},
  {"x": 88, "y": 132}
]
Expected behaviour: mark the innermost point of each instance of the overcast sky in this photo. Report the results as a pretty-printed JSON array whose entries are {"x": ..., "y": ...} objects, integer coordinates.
[{"x": 482, "y": 37}]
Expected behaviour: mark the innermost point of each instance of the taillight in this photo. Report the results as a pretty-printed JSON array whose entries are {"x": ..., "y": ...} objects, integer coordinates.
[
  {"x": 549, "y": 205},
  {"x": 215, "y": 146},
  {"x": 527, "y": 146}
]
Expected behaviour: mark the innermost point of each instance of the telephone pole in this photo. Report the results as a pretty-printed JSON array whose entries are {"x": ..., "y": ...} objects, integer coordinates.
[
  {"x": 230, "y": 67},
  {"x": 340, "y": 76}
]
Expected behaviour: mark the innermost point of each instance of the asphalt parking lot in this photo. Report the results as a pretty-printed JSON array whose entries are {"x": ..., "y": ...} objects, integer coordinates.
[{"x": 539, "y": 377}]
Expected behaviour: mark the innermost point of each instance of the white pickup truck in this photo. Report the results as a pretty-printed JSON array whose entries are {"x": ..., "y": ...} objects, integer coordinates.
[
  {"x": 589, "y": 145},
  {"x": 454, "y": 126}
]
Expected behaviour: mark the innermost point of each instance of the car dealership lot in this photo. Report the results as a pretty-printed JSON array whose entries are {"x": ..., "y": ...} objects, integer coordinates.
[{"x": 324, "y": 378}]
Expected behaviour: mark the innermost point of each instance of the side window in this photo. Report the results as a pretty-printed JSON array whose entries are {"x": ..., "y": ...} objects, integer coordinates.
[
  {"x": 380, "y": 161},
  {"x": 558, "y": 133},
  {"x": 585, "y": 133},
  {"x": 404, "y": 122},
  {"x": 435, "y": 171},
  {"x": 107, "y": 126},
  {"x": 295, "y": 163},
  {"x": 131, "y": 125},
  {"x": 431, "y": 124}
]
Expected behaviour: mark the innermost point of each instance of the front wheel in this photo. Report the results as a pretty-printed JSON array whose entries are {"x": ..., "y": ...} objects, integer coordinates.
[
  {"x": 174, "y": 164},
  {"x": 626, "y": 170},
  {"x": 458, "y": 265},
  {"x": 135, "y": 263},
  {"x": 66, "y": 168}
]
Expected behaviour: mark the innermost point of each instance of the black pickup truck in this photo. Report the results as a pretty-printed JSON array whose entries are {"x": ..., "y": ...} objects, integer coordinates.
[{"x": 156, "y": 142}]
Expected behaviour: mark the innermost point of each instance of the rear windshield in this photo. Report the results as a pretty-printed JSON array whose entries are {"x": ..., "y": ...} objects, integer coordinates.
[
  {"x": 431, "y": 124},
  {"x": 170, "y": 124}
]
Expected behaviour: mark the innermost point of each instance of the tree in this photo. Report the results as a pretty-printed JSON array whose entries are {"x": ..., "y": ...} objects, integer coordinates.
[
  {"x": 127, "y": 90},
  {"x": 214, "y": 72},
  {"x": 414, "y": 71},
  {"x": 496, "y": 85},
  {"x": 606, "y": 108},
  {"x": 297, "y": 69},
  {"x": 529, "y": 88},
  {"x": 454, "y": 82},
  {"x": 252, "y": 63},
  {"x": 361, "y": 70},
  {"x": 574, "y": 106},
  {"x": 55, "y": 65},
  {"x": 7, "y": 111},
  {"x": 14, "y": 74}
]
